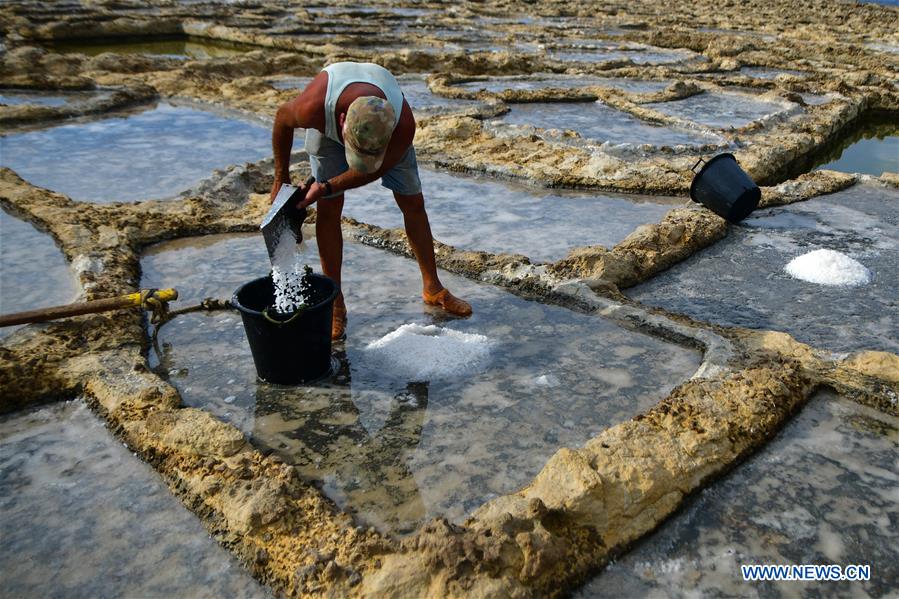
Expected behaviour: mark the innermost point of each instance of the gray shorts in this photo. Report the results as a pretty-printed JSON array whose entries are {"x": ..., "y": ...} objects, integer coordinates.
[{"x": 328, "y": 159}]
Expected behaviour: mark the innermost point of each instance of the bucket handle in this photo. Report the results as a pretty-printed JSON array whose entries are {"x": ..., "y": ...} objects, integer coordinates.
[
  {"x": 693, "y": 168},
  {"x": 281, "y": 322}
]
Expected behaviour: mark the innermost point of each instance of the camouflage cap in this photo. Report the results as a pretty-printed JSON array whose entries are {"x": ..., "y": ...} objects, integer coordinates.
[{"x": 366, "y": 132}]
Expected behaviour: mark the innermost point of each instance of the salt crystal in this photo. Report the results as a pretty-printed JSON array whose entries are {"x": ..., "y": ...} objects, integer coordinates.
[
  {"x": 422, "y": 353},
  {"x": 291, "y": 291},
  {"x": 828, "y": 267},
  {"x": 546, "y": 380}
]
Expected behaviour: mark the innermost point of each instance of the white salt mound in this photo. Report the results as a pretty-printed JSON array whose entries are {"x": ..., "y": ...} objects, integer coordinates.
[
  {"x": 423, "y": 353},
  {"x": 827, "y": 267}
]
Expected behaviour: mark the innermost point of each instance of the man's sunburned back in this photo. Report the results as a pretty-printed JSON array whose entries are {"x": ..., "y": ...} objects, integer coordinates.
[{"x": 311, "y": 105}]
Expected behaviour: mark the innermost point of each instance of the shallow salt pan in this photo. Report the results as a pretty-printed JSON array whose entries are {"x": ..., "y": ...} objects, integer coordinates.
[
  {"x": 80, "y": 516},
  {"x": 722, "y": 110},
  {"x": 154, "y": 154},
  {"x": 16, "y": 97},
  {"x": 481, "y": 213},
  {"x": 499, "y": 84},
  {"x": 597, "y": 121},
  {"x": 823, "y": 492},
  {"x": 740, "y": 280},
  {"x": 827, "y": 267},
  {"x": 33, "y": 271},
  {"x": 872, "y": 149},
  {"x": 770, "y": 73},
  {"x": 297, "y": 83},
  {"x": 423, "y": 101},
  {"x": 388, "y": 446},
  {"x": 611, "y": 51}
]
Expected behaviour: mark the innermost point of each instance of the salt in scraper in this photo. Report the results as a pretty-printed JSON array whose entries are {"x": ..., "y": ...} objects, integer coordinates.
[{"x": 284, "y": 213}]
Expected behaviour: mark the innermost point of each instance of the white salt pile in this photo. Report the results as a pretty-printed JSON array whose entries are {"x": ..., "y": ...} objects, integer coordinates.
[
  {"x": 420, "y": 353},
  {"x": 827, "y": 267},
  {"x": 546, "y": 380},
  {"x": 291, "y": 291}
]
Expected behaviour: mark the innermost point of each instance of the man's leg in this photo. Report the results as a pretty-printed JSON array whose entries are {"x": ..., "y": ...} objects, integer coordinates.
[
  {"x": 330, "y": 251},
  {"x": 326, "y": 159},
  {"x": 418, "y": 231}
]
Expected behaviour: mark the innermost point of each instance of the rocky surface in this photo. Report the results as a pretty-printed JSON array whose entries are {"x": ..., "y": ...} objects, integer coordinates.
[{"x": 588, "y": 503}]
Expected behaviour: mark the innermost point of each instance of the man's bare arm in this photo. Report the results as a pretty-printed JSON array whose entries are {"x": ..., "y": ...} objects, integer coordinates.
[
  {"x": 301, "y": 112},
  {"x": 351, "y": 179}
]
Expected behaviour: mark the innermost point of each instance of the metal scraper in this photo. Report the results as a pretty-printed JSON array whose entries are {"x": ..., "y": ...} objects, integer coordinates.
[{"x": 284, "y": 213}]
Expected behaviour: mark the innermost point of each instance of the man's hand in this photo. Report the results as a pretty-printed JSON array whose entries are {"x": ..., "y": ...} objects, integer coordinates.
[
  {"x": 276, "y": 187},
  {"x": 315, "y": 192}
]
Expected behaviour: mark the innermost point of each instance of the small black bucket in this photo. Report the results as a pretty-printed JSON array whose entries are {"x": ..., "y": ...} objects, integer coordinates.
[
  {"x": 294, "y": 350},
  {"x": 724, "y": 188}
]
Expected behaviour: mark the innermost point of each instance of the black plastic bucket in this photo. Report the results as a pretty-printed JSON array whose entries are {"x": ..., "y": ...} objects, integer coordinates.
[
  {"x": 724, "y": 188},
  {"x": 294, "y": 350}
]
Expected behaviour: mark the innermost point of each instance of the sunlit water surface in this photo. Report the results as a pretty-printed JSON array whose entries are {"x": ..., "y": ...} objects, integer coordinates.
[
  {"x": 395, "y": 451},
  {"x": 33, "y": 271},
  {"x": 153, "y": 154},
  {"x": 81, "y": 516},
  {"x": 740, "y": 280},
  {"x": 823, "y": 492}
]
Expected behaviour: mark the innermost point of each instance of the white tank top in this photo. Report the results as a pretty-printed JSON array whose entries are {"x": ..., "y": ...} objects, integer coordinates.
[{"x": 341, "y": 74}]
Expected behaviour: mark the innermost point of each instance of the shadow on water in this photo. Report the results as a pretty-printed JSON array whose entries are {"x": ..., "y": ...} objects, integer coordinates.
[
  {"x": 869, "y": 146},
  {"x": 376, "y": 438},
  {"x": 363, "y": 468}
]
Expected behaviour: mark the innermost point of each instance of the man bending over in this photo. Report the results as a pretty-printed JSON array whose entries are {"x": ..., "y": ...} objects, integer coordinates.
[{"x": 359, "y": 128}]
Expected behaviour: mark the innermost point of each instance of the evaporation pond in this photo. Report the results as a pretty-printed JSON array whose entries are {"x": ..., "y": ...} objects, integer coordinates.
[
  {"x": 18, "y": 97},
  {"x": 172, "y": 48},
  {"x": 769, "y": 73},
  {"x": 871, "y": 149},
  {"x": 636, "y": 54},
  {"x": 722, "y": 110},
  {"x": 423, "y": 101},
  {"x": 480, "y": 213},
  {"x": 500, "y": 84},
  {"x": 823, "y": 492},
  {"x": 33, "y": 271},
  {"x": 397, "y": 449},
  {"x": 153, "y": 154},
  {"x": 597, "y": 121},
  {"x": 296, "y": 83},
  {"x": 81, "y": 516},
  {"x": 740, "y": 280}
]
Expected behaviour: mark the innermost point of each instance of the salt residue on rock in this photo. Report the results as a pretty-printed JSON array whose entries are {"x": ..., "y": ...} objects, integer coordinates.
[
  {"x": 287, "y": 274},
  {"x": 420, "y": 353},
  {"x": 827, "y": 267}
]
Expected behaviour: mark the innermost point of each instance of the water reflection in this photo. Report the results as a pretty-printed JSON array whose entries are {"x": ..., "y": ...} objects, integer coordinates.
[
  {"x": 870, "y": 148},
  {"x": 364, "y": 468},
  {"x": 393, "y": 450}
]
